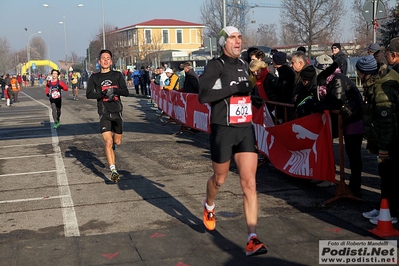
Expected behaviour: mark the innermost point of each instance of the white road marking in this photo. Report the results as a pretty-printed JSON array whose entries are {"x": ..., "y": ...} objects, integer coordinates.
[
  {"x": 26, "y": 156},
  {"x": 30, "y": 199},
  {"x": 71, "y": 227},
  {"x": 30, "y": 173}
]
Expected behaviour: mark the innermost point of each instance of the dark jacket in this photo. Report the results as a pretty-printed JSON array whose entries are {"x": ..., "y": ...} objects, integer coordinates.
[
  {"x": 191, "y": 83},
  {"x": 306, "y": 97},
  {"x": 286, "y": 79},
  {"x": 218, "y": 83},
  {"x": 381, "y": 110},
  {"x": 342, "y": 62},
  {"x": 340, "y": 93}
]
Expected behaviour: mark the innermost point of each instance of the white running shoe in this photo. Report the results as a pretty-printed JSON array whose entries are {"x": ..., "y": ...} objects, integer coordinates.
[
  {"x": 375, "y": 220},
  {"x": 371, "y": 214},
  {"x": 325, "y": 183}
]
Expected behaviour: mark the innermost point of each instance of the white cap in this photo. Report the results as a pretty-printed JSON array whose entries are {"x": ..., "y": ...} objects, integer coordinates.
[{"x": 168, "y": 70}]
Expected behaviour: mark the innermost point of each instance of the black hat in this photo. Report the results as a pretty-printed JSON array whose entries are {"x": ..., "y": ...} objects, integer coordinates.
[
  {"x": 308, "y": 73},
  {"x": 338, "y": 45},
  {"x": 280, "y": 58},
  {"x": 301, "y": 48}
]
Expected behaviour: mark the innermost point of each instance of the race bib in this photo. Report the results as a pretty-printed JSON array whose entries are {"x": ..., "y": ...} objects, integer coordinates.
[
  {"x": 55, "y": 94},
  {"x": 240, "y": 109}
]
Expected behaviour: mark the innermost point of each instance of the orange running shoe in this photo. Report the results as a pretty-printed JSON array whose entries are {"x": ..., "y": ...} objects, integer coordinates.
[
  {"x": 255, "y": 247},
  {"x": 209, "y": 219}
]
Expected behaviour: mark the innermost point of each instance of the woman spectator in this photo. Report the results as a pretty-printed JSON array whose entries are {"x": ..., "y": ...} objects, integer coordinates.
[
  {"x": 173, "y": 83},
  {"x": 266, "y": 82}
]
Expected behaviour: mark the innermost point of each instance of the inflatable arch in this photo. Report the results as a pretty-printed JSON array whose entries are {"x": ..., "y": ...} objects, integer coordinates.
[{"x": 38, "y": 63}]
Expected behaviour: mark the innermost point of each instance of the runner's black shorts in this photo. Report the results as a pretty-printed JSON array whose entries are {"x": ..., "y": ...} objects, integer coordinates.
[
  {"x": 226, "y": 141},
  {"x": 57, "y": 102},
  {"x": 111, "y": 122}
]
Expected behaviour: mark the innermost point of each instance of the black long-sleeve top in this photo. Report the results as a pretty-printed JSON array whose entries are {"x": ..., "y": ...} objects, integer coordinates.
[
  {"x": 100, "y": 81},
  {"x": 218, "y": 83}
]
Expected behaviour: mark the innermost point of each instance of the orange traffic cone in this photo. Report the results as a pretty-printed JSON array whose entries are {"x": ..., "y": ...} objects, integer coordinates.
[{"x": 384, "y": 227}]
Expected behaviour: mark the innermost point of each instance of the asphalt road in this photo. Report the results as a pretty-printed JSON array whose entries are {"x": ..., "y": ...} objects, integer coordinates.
[{"x": 55, "y": 183}]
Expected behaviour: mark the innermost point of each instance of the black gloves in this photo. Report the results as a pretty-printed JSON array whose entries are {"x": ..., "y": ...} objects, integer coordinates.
[
  {"x": 107, "y": 92},
  {"x": 48, "y": 95},
  {"x": 244, "y": 86}
]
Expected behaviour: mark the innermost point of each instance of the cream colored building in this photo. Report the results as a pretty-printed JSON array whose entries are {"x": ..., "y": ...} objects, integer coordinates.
[{"x": 155, "y": 42}]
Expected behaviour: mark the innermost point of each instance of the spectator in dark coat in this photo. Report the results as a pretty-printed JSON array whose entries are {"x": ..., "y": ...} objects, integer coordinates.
[
  {"x": 339, "y": 57},
  {"x": 337, "y": 92},
  {"x": 306, "y": 92},
  {"x": 191, "y": 83},
  {"x": 286, "y": 79}
]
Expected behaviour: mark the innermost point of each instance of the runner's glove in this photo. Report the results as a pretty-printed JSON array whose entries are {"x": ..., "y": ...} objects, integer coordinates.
[
  {"x": 108, "y": 92},
  {"x": 244, "y": 86}
]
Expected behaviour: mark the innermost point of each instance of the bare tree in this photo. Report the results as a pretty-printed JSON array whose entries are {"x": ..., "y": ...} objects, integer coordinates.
[
  {"x": 267, "y": 35},
  {"x": 38, "y": 48},
  {"x": 287, "y": 37},
  {"x": 5, "y": 56},
  {"x": 151, "y": 52},
  {"x": 212, "y": 15},
  {"x": 312, "y": 20}
]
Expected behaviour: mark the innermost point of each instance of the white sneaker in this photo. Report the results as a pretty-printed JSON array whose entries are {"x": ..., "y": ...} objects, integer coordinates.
[
  {"x": 375, "y": 220},
  {"x": 371, "y": 214},
  {"x": 325, "y": 183}
]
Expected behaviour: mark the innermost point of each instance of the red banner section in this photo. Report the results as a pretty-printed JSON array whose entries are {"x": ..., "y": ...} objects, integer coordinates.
[{"x": 300, "y": 148}]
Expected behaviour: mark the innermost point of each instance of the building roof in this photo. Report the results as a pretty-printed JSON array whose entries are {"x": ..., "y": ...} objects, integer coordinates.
[{"x": 161, "y": 23}]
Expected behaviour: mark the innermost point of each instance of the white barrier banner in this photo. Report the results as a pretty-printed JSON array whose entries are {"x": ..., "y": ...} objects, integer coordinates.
[{"x": 358, "y": 252}]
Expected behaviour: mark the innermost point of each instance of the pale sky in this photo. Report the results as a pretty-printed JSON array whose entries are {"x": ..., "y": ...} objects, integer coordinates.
[{"x": 85, "y": 22}]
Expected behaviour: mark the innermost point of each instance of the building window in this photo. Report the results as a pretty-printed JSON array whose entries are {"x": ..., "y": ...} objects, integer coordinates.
[
  {"x": 165, "y": 36},
  {"x": 135, "y": 37},
  {"x": 147, "y": 34},
  {"x": 125, "y": 38},
  {"x": 179, "y": 36},
  {"x": 129, "y": 38}
]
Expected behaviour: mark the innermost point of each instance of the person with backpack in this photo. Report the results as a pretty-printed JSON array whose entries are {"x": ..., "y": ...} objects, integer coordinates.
[
  {"x": 381, "y": 111},
  {"x": 53, "y": 92},
  {"x": 106, "y": 87}
]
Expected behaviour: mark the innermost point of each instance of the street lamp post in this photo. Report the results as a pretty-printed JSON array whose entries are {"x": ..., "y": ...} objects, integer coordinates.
[
  {"x": 65, "y": 36},
  {"x": 28, "y": 50},
  {"x": 48, "y": 39}
]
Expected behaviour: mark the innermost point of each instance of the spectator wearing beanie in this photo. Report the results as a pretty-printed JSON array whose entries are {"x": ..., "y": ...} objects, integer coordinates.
[
  {"x": 279, "y": 58},
  {"x": 339, "y": 57},
  {"x": 306, "y": 92},
  {"x": 380, "y": 86},
  {"x": 367, "y": 65}
]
